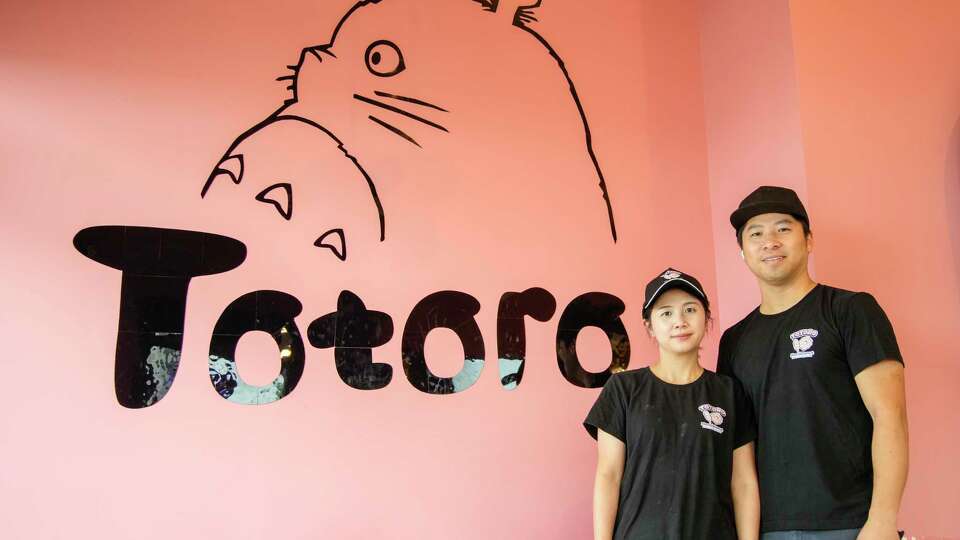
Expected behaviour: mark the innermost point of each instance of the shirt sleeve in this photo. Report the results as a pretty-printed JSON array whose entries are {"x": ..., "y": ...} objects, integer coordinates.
[
  {"x": 745, "y": 427},
  {"x": 609, "y": 411},
  {"x": 725, "y": 354},
  {"x": 867, "y": 334}
]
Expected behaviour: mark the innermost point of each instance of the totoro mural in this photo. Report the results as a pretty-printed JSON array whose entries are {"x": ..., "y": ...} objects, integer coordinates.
[
  {"x": 375, "y": 116},
  {"x": 380, "y": 65}
]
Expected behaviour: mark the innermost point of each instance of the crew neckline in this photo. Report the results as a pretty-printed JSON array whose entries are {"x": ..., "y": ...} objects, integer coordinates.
[
  {"x": 699, "y": 378},
  {"x": 793, "y": 307}
]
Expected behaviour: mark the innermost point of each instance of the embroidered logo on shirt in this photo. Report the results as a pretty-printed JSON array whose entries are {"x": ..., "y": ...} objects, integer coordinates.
[
  {"x": 670, "y": 274},
  {"x": 714, "y": 417},
  {"x": 802, "y": 341}
]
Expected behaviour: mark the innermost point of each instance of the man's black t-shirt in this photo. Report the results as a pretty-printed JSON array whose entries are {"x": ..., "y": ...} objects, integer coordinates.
[
  {"x": 679, "y": 441},
  {"x": 814, "y": 436}
]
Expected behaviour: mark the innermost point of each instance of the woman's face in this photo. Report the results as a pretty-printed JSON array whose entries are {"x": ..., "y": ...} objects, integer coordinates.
[{"x": 677, "y": 321}]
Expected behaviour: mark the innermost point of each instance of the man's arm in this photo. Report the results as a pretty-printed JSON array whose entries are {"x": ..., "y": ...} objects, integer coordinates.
[
  {"x": 882, "y": 389},
  {"x": 611, "y": 456},
  {"x": 746, "y": 493}
]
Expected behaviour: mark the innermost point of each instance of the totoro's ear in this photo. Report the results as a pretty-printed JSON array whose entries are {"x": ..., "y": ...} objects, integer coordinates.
[{"x": 518, "y": 11}]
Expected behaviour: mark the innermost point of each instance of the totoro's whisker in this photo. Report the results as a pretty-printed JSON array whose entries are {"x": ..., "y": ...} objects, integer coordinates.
[
  {"x": 394, "y": 129},
  {"x": 314, "y": 53},
  {"x": 287, "y": 77},
  {"x": 399, "y": 111},
  {"x": 410, "y": 100},
  {"x": 324, "y": 50}
]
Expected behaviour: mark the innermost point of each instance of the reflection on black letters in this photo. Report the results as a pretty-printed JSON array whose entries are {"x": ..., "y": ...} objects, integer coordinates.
[
  {"x": 265, "y": 311},
  {"x": 603, "y": 311},
  {"x": 444, "y": 309},
  {"x": 157, "y": 266},
  {"x": 353, "y": 331},
  {"x": 511, "y": 333}
]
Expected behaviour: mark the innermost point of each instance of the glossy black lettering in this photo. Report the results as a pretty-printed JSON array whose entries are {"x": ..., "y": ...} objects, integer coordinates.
[
  {"x": 353, "y": 331},
  {"x": 603, "y": 311},
  {"x": 260, "y": 311},
  {"x": 157, "y": 266},
  {"x": 444, "y": 309},
  {"x": 511, "y": 332}
]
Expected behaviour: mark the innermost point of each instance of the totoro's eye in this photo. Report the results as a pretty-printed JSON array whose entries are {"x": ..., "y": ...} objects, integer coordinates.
[{"x": 384, "y": 59}]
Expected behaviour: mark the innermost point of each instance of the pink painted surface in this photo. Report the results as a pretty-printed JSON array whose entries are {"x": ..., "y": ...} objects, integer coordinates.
[
  {"x": 951, "y": 188},
  {"x": 753, "y": 126},
  {"x": 879, "y": 102},
  {"x": 864, "y": 119},
  {"x": 115, "y": 112}
]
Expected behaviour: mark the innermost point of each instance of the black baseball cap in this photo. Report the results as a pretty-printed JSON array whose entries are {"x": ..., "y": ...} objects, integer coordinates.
[
  {"x": 768, "y": 200},
  {"x": 672, "y": 279}
]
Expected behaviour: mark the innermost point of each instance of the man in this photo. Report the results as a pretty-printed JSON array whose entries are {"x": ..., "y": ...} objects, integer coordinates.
[{"x": 824, "y": 372}]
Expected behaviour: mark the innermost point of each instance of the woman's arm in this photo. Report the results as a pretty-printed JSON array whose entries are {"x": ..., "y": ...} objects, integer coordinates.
[
  {"x": 746, "y": 493},
  {"x": 611, "y": 455}
]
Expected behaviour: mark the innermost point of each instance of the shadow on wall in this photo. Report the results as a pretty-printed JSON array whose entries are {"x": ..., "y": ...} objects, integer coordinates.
[{"x": 952, "y": 196}]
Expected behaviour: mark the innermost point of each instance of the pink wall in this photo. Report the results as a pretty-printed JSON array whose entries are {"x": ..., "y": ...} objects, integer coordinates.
[
  {"x": 855, "y": 105},
  {"x": 879, "y": 103},
  {"x": 951, "y": 188},
  {"x": 115, "y": 112},
  {"x": 753, "y": 126}
]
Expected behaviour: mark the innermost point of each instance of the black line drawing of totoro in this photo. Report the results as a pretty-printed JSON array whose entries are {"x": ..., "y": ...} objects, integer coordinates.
[{"x": 401, "y": 115}]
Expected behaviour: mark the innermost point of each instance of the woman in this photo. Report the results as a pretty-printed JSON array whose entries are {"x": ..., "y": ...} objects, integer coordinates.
[{"x": 675, "y": 442}]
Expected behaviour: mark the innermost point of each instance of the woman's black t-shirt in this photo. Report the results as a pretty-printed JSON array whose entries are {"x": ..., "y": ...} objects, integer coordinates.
[{"x": 679, "y": 441}]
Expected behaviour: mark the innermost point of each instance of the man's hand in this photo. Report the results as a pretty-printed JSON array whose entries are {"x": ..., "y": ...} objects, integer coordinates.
[{"x": 873, "y": 530}]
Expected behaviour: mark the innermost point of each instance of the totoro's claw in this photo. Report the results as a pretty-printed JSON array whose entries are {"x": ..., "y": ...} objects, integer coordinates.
[
  {"x": 280, "y": 195},
  {"x": 335, "y": 242},
  {"x": 231, "y": 166}
]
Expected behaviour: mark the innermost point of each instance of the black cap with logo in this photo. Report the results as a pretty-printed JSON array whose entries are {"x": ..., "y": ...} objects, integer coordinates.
[
  {"x": 672, "y": 279},
  {"x": 768, "y": 200}
]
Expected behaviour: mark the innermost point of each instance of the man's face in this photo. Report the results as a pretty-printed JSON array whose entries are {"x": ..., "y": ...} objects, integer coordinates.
[{"x": 775, "y": 248}]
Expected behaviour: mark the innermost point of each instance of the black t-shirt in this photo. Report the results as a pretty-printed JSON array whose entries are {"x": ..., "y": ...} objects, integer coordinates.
[
  {"x": 814, "y": 436},
  {"x": 680, "y": 441}
]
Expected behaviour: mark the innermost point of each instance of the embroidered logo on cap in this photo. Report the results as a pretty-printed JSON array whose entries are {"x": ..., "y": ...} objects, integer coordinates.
[
  {"x": 670, "y": 274},
  {"x": 802, "y": 342},
  {"x": 714, "y": 417}
]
